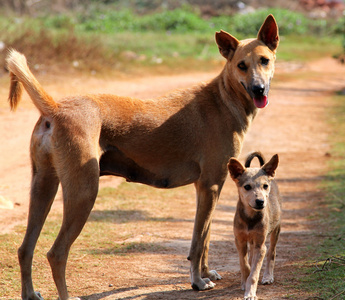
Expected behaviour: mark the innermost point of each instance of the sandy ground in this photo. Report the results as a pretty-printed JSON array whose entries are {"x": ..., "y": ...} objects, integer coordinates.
[{"x": 293, "y": 125}]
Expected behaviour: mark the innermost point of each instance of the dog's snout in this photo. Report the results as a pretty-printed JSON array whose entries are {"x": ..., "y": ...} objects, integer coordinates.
[
  {"x": 258, "y": 89},
  {"x": 259, "y": 203}
]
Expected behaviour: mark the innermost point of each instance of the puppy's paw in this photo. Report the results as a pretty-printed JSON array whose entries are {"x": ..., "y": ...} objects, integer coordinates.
[
  {"x": 251, "y": 298},
  {"x": 267, "y": 279},
  {"x": 250, "y": 295}
]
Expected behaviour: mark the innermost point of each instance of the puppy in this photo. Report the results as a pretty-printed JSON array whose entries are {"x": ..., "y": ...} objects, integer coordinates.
[{"x": 257, "y": 216}]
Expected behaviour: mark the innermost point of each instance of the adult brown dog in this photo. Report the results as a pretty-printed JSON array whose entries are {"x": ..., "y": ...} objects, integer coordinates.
[{"x": 185, "y": 137}]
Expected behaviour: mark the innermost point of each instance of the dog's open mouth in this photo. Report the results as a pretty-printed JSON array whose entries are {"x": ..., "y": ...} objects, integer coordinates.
[{"x": 260, "y": 101}]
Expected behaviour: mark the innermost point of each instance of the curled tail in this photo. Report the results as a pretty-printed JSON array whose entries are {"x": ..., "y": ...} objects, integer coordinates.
[
  {"x": 21, "y": 76},
  {"x": 256, "y": 154}
]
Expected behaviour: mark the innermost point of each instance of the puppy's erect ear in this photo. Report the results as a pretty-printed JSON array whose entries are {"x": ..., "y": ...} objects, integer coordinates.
[
  {"x": 269, "y": 33},
  {"x": 236, "y": 169},
  {"x": 227, "y": 44},
  {"x": 271, "y": 166}
]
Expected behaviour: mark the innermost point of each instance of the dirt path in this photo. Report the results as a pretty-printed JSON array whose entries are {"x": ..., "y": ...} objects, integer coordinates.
[{"x": 293, "y": 125}]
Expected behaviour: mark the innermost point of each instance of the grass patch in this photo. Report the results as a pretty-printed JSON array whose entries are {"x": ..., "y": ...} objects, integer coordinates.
[
  {"x": 101, "y": 40},
  {"x": 327, "y": 275},
  {"x": 307, "y": 48}
]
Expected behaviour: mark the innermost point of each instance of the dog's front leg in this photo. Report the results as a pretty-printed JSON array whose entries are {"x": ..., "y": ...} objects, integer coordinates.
[
  {"x": 252, "y": 281},
  {"x": 242, "y": 249},
  {"x": 268, "y": 277},
  {"x": 201, "y": 276},
  {"x": 205, "y": 271}
]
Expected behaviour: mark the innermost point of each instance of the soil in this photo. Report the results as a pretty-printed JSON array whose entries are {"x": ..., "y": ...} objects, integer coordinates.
[{"x": 294, "y": 125}]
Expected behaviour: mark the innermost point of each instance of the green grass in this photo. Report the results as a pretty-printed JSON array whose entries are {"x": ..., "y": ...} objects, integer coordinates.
[
  {"x": 307, "y": 48},
  {"x": 327, "y": 274},
  {"x": 104, "y": 39}
]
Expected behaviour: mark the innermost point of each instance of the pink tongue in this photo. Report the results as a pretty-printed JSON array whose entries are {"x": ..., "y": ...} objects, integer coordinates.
[{"x": 260, "y": 102}]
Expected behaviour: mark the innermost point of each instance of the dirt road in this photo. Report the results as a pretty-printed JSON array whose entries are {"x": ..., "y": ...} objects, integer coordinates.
[{"x": 293, "y": 125}]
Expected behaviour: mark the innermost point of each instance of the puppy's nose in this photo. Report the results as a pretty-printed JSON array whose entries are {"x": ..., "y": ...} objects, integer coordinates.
[
  {"x": 259, "y": 203},
  {"x": 258, "y": 89}
]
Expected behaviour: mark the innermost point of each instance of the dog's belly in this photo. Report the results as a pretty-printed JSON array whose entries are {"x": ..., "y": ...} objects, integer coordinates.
[{"x": 114, "y": 162}]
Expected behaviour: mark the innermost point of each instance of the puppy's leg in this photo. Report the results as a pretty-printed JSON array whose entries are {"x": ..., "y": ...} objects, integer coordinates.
[
  {"x": 207, "y": 197},
  {"x": 253, "y": 278},
  {"x": 242, "y": 249},
  {"x": 268, "y": 277},
  {"x": 43, "y": 190},
  {"x": 80, "y": 187}
]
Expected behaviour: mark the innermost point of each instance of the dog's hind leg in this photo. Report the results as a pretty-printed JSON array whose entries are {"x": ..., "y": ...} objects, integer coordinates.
[
  {"x": 207, "y": 196},
  {"x": 43, "y": 190},
  {"x": 80, "y": 187},
  {"x": 268, "y": 277}
]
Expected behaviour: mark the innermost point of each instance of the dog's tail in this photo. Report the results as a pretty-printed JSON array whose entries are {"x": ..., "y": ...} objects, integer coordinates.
[
  {"x": 250, "y": 157},
  {"x": 22, "y": 76}
]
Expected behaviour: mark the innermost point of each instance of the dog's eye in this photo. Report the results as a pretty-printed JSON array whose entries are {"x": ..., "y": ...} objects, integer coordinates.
[
  {"x": 247, "y": 187},
  {"x": 265, "y": 186},
  {"x": 264, "y": 61},
  {"x": 242, "y": 66}
]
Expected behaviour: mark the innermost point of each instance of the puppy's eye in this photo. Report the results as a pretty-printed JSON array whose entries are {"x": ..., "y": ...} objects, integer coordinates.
[
  {"x": 247, "y": 187},
  {"x": 264, "y": 61},
  {"x": 242, "y": 66},
  {"x": 265, "y": 186}
]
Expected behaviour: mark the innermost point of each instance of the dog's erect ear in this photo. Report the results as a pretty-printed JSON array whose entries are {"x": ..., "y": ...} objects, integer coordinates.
[
  {"x": 227, "y": 44},
  {"x": 269, "y": 34},
  {"x": 271, "y": 166},
  {"x": 236, "y": 169}
]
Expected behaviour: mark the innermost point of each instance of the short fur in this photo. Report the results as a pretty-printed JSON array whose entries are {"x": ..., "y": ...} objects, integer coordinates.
[
  {"x": 257, "y": 216},
  {"x": 185, "y": 137}
]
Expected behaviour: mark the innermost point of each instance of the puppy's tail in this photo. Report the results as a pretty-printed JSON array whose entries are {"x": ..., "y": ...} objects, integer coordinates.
[
  {"x": 256, "y": 154},
  {"x": 21, "y": 76}
]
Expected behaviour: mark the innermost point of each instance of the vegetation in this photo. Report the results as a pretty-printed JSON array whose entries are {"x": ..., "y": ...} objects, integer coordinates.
[
  {"x": 327, "y": 274},
  {"x": 102, "y": 38}
]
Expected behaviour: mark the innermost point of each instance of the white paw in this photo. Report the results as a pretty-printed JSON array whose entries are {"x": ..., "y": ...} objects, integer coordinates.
[
  {"x": 267, "y": 280},
  {"x": 203, "y": 284},
  {"x": 37, "y": 296},
  {"x": 213, "y": 275},
  {"x": 251, "y": 295}
]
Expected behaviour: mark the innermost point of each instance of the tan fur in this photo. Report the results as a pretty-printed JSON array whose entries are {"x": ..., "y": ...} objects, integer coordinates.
[
  {"x": 257, "y": 216},
  {"x": 182, "y": 138}
]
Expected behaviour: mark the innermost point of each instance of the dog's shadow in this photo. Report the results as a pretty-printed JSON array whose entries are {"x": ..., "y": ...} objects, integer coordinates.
[{"x": 227, "y": 289}]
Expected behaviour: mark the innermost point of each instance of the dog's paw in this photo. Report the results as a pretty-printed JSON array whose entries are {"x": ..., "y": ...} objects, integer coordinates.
[
  {"x": 73, "y": 298},
  {"x": 250, "y": 298},
  {"x": 203, "y": 284},
  {"x": 33, "y": 296},
  {"x": 267, "y": 280},
  {"x": 213, "y": 275}
]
